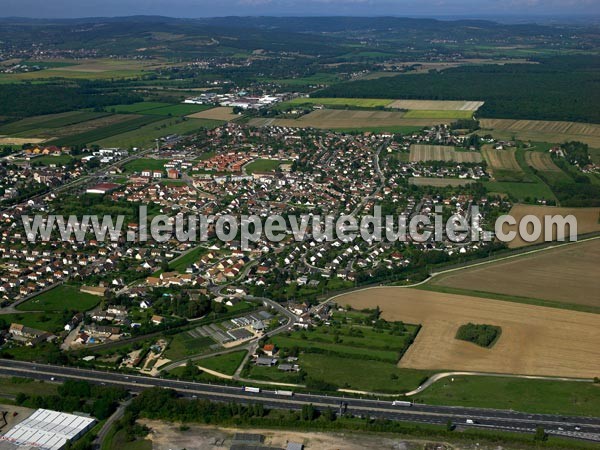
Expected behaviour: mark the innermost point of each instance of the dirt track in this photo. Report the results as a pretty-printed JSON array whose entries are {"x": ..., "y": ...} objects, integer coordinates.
[{"x": 535, "y": 340}]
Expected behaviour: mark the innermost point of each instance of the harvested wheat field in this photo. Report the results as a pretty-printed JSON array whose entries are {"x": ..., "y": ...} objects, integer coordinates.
[
  {"x": 541, "y": 161},
  {"x": 543, "y": 130},
  {"x": 568, "y": 274},
  {"x": 219, "y": 113},
  {"x": 420, "y": 152},
  {"x": 588, "y": 220},
  {"x": 501, "y": 159},
  {"x": 535, "y": 340},
  {"x": 19, "y": 141},
  {"x": 439, "y": 105}
]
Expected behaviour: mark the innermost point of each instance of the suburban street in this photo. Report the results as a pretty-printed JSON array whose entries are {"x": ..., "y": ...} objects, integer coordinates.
[{"x": 586, "y": 428}]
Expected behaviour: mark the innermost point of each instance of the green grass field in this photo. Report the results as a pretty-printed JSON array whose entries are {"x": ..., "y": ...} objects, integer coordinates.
[
  {"x": 159, "y": 108},
  {"x": 364, "y": 375},
  {"x": 137, "y": 107},
  {"x": 533, "y": 396},
  {"x": 520, "y": 191},
  {"x": 360, "y": 102},
  {"x": 272, "y": 374},
  {"x": 264, "y": 165},
  {"x": 49, "y": 121},
  {"x": 47, "y": 321},
  {"x": 146, "y": 135},
  {"x": 349, "y": 351},
  {"x": 11, "y": 386},
  {"x": 188, "y": 259},
  {"x": 68, "y": 74},
  {"x": 101, "y": 133},
  {"x": 61, "y": 298},
  {"x": 180, "y": 109},
  {"x": 118, "y": 440},
  {"x": 318, "y": 78},
  {"x": 347, "y": 340},
  {"x": 184, "y": 345},
  {"x": 140, "y": 164},
  {"x": 227, "y": 363},
  {"x": 435, "y": 114},
  {"x": 595, "y": 155}
]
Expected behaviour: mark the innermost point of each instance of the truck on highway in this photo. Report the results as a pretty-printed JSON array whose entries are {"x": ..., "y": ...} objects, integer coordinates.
[
  {"x": 401, "y": 403},
  {"x": 284, "y": 393},
  {"x": 251, "y": 389}
]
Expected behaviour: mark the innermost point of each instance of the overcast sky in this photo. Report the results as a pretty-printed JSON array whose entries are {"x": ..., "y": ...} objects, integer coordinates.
[{"x": 210, "y": 8}]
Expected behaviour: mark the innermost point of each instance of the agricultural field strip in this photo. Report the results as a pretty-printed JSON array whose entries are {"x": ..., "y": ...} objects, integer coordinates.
[
  {"x": 421, "y": 153},
  {"x": 81, "y": 127},
  {"x": 337, "y": 119},
  {"x": 502, "y": 159},
  {"x": 563, "y": 274},
  {"x": 542, "y": 125},
  {"x": 108, "y": 131},
  {"x": 587, "y": 219},
  {"x": 50, "y": 121},
  {"x": 439, "y": 105},
  {"x": 541, "y": 161},
  {"x": 219, "y": 113},
  {"x": 418, "y": 105}
]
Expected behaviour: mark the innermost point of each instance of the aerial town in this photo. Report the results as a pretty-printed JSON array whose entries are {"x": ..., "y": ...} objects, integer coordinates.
[{"x": 322, "y": 232}]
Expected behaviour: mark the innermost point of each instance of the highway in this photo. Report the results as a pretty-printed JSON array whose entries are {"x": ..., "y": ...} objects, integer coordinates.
[{"x": 585, "y": 428}]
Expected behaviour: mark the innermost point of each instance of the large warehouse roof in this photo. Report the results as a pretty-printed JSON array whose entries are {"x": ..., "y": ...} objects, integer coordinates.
[{"x": 48, "y": 430}]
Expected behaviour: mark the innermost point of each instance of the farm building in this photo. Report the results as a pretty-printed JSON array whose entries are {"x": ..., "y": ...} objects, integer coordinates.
[{"x": 46, "y": 430}]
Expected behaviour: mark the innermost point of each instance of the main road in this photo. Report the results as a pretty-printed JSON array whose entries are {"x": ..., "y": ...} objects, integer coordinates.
[{"x": 586, "y": 428}]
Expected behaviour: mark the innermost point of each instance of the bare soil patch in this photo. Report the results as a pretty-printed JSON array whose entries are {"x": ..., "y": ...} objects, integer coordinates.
[
  {"x": 565, "y": 274},
  {"x": 535, "y": 340},
  {"x": 166, "y": 436}
]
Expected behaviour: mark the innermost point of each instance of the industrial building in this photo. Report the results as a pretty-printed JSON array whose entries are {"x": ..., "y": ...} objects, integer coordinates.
[{"x": 46, "y": 430}]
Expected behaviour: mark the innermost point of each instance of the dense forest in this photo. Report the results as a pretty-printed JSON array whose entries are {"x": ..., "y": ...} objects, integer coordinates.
[
  {"x": 561, "y": 88},
  {"x": 25, "y": 99}
]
